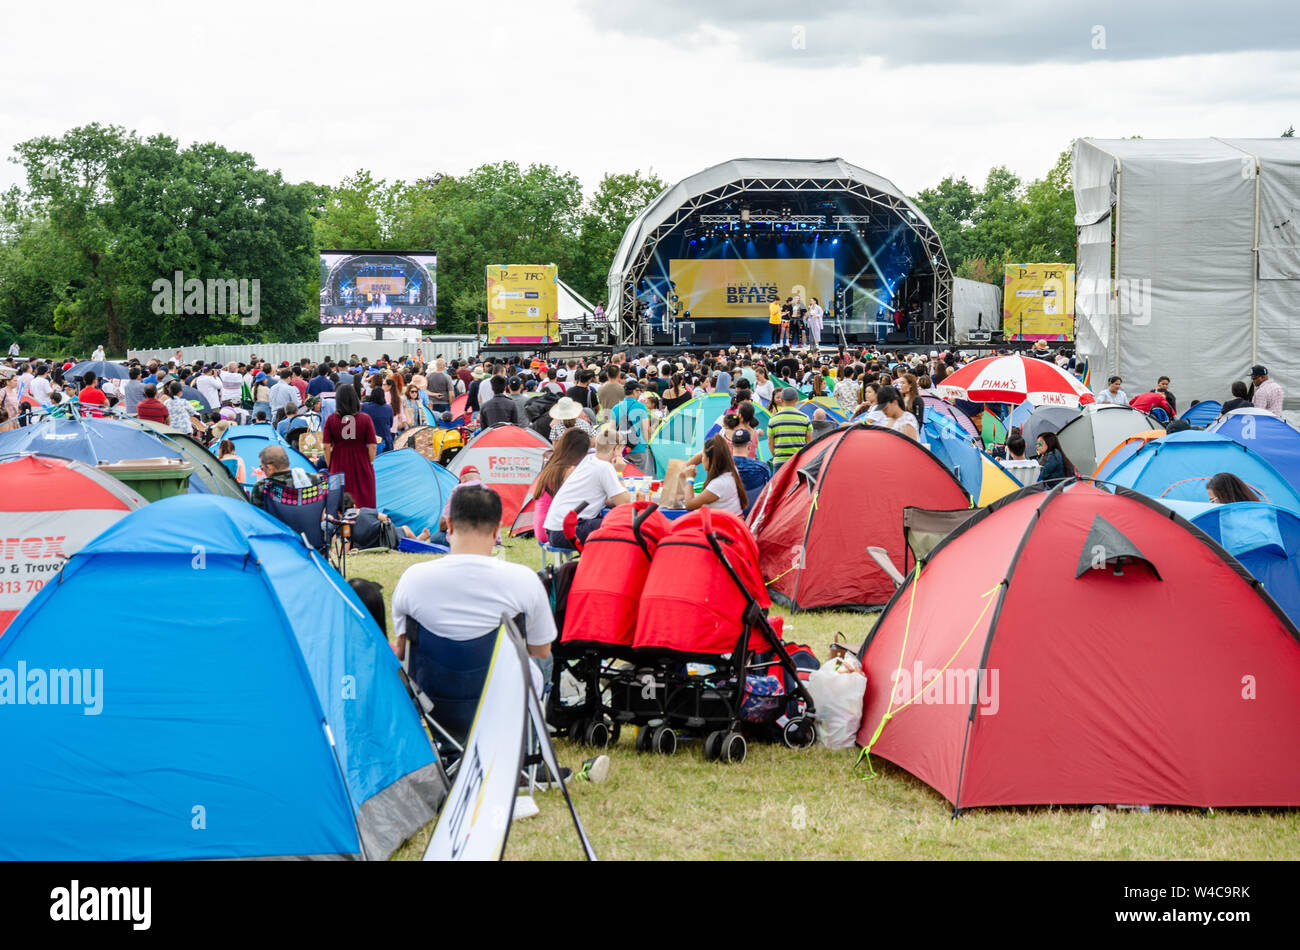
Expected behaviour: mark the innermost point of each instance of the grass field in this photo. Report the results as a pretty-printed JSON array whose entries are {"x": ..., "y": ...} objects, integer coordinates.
[{"x": 815, "y": 805}]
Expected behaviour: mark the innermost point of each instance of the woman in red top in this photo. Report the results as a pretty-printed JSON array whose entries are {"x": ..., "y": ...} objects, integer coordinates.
[{"x": 349, "y": 438}]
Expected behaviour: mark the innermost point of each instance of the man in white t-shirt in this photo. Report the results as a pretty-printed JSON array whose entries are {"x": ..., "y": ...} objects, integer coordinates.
[
  {"x": 464, "y": 595},
  {"x": 232, "y": 384},
  {"x": 593, "y": 484},
  {"x": 209, "y": 388}
]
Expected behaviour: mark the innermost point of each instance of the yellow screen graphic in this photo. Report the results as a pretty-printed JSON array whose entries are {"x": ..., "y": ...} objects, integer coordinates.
[
  {"x": 743, "y": 288},
  {"x": 1038, "y": 302},
  {"x": 522, "y": 302}
]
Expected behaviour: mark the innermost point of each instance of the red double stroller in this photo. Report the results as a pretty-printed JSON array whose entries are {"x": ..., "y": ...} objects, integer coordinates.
[
  {"x": 599, "y": 618},
  {"x": 701, "y": 659}
]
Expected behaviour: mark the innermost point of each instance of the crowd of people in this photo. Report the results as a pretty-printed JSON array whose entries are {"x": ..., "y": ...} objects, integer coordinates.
[{"x": 599, "y": 414}]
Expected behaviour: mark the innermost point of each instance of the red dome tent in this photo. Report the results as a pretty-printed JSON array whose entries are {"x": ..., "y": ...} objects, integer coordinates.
[
  {"x": 50, "y": 508},
  {"x": 1075, "y": 646},
  {"x": 508, "y": 459},
  {"x": 842, "y": 493}
]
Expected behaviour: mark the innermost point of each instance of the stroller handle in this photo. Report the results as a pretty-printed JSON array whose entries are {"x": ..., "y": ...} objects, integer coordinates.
[{"x": 642, "y": 515}]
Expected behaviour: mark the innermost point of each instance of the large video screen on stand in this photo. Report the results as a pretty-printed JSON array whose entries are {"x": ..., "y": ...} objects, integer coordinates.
[{"x": 378, "y": 288}]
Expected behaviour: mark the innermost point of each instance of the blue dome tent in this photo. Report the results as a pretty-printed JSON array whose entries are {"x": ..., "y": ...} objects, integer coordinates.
[
  {"x": 1202, "y": 414},
  {"x": 1272, "y": 439},
  {"x": 1178, "y": 466},
  {"x": 92, "y": 440},
  {"x": 683, "y": 431},
  {"x": 249, "y": 442},
  {"x": 271, "y": 721},
  {"x": 88, "y": 440},
  {"x": 983, "y": 478},
  {"x": 1264, "y": 538},
  {"x": 411, "y": 489}
]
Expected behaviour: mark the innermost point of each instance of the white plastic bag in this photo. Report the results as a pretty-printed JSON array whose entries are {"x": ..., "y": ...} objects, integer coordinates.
[{"x": 837, "y": 690}]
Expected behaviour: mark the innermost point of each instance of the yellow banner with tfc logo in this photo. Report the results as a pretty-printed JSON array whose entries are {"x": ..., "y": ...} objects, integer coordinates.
[
  {"x": 522, "y": 303},
  {"x": 737, "y": 287},
  {"x": 1038, "y": 302}
]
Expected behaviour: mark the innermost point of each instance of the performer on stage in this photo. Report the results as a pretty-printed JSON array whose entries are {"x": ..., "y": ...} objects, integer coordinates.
[
  {"x": 815, "y": 315},
  {"x": 798, "y": 327}
]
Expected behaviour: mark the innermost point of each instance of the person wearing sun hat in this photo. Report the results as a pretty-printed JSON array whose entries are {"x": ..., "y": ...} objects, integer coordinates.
[{"x": 565, "y": 415}]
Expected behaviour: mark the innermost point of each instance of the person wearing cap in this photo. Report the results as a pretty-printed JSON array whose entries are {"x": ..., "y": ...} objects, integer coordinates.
[
  {"x": 1265, "y": 393},
  {"x": 565, "y": 415},
  {"x": 632, "y": 419},
  {"x": 515, "y": 390},
  {"x": 788, "y": 429}
]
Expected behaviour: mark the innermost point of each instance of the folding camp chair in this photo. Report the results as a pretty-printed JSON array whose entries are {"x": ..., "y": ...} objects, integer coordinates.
[
  {"x": 306, "y": 510},
  {"x": 447, "y": 678}
]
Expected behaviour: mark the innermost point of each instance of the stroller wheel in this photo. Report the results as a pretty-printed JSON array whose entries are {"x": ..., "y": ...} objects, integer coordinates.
[
  {"x": 799, "y": 733},
  {"x": 643, "y": 739},
  {"x": 713, "y": 746},
  {"x": 597, "y": 734},
  {"x": 663, "y": 740},
  {"x": 734, "y": 748}
]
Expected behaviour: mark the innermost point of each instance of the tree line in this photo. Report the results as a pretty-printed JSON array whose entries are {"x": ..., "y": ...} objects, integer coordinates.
[{"x": 103, "y": 214}]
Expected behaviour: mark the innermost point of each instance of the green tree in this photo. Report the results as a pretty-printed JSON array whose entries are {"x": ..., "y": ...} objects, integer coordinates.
[
  {"x": 1004, "y": 221},
  {"x": 105, "y": 215},
  {"x": 357, "y": 214},
  {"x": 494, "y": 214},
  {"x": 67, "y": 188}
]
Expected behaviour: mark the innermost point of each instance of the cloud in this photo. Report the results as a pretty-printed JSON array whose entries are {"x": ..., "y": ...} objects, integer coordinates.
[{"x": 1010, "y": 32}]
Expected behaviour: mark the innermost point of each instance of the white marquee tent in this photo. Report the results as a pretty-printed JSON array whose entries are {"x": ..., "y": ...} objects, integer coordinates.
[
  {"x": 976, "y": 305},
  {"x": 1204, "y": 278}
]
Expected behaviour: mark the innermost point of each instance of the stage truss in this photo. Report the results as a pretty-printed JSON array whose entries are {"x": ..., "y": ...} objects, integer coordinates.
[{"x": 629, "y": 317}]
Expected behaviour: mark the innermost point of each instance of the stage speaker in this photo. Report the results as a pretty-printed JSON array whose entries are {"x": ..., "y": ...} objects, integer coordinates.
[
  {"x": 719, "y": 337},
  {"x": 701, "y": 338},
  {"x": 861, "y": 338},
  {"x": 829, "y": 335},
  {"x": 742, "y": 339},
  {"x": 896, "y": 336},
  {"x": 663, "y": 339},
  {"x": 999, "y": 336}
]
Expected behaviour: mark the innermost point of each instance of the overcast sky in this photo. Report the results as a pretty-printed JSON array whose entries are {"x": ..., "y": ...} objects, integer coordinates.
[{"x": 912, "y": 91}]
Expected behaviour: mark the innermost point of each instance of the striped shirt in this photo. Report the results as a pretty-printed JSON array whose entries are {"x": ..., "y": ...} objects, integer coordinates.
[{"x": 789, "y": 429}]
